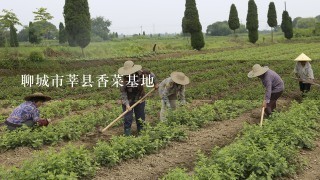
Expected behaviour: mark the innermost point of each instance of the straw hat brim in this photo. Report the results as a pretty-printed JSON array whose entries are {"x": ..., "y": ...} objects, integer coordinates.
[
  {"x": 131, "y": 70},
  {"x": 261, "y": 71},
  {"x": 303, "y": 57},
  {"x": 37, "y": 95},
  {"x": 175, "y": 79}
]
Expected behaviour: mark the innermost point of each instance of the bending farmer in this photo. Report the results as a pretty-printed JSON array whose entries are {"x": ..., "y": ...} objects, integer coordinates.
[
  {"x": 170, "y": 89},
  {"x": 273, "y": 84},
  {"x": 28, "y": 113}
]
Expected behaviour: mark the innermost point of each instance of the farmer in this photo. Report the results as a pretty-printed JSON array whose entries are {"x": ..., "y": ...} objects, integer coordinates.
[
  {"x": 303, "y": 71},
  {"x": 170, "y": 89},
  {"x": 28, "y": 113},
  {"x": 273, "y": 84},
  {"x": 132, "y": 90}
]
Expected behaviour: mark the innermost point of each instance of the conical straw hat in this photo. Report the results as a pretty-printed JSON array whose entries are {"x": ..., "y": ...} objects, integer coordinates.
[
  {"x": 303, "y": 57},
  {"x": 39, "y": 95}
]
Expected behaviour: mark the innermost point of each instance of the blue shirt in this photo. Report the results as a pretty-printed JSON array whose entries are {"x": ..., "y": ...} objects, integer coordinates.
[{"x": 24, "y": 112}]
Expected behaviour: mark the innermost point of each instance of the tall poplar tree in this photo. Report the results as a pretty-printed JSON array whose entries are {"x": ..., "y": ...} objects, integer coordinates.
[
  {"x": 286, "y": 25},
  {"x": 191, "y": 24},
  {"x": 272, "y": 18},
  {"x": 252, "y": 22},
  {"x": 77, "y": 22},
  {"x": 234, "y": 22}
]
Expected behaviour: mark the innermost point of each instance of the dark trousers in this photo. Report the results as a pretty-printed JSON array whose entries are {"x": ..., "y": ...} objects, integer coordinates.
[
  {"x": 138, "y": 113},
  {"x": 273, "y": 103},
  {"x": 304, "y": 87},
  {"x": 12, "y": 127}
]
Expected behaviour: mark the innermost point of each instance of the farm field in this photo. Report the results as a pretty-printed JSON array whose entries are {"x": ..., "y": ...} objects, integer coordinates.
[{"x": 223, "y": 110}]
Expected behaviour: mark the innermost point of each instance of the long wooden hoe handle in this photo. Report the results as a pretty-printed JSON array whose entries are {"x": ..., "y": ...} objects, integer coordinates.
[
  {"x": 124, "y": 113},
  {"x": 262, "y": 115}
]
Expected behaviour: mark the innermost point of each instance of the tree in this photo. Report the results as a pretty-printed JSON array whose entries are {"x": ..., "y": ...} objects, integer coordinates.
[
  {"x": 233, "y": 22},
  {"x": 45, "y": 29},
  {"x": 100, "y": 27},
  {"x": 222, "y": 29},
  {"x": 318, "y": 18},
  {"x": 191, "y": 24},
  {"x": 295, "y": 21},
  {"x": 62, "y": 34},
  {"x": 272, "y": 18},
  {"x": 2, "y": 35},
  {"x": 286, "y": 25},
  {"x": 252, "y": 22},
  {"x": 9, "y": 18},
  {"x": 197, "y": 40},
  {"x": 77, "y": 22},
  {"x": 13, "y": 36},
  {"x": 23, "y": 35},
  {"x": 41, "y": 15},
  {"x": 33, "y": 37},
  {"x": 306, "y": 23},
  {"x": 190, "y": 21}
]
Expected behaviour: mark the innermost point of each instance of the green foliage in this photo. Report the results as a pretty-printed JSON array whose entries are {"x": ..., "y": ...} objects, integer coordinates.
[
  {"x": 252, "y": 21},
  {"x": 272, "y": 15},
  {"x": 190, "y": 21},
  {"x": 197, "y": 40},
  {"x": 233, "y": 21},
  {"x": 286, "y": 25},
  {"x": 122, "y": 148},
  {"x": 45, "y": 29},
  {"x": 23, "y": 35},
  {"x": 33, "y": 36},
  {"x": 13, "y": 36},
  {"x": 305, "y": 23},
  {"x": 36, "y": 56},
  {"x": 77, "y": 22},
  {"x": 100, "y": 27},
  {"x": 253, "y": 36},
  {"x": 70, "y": 163},
  {"x": 63, "y": 36},
  {"x": 177, "y": 174},
  {"x": 272, "y": 18},
  {"x": 267, "y": 152},
  {"x": 42, "y": 15},
  {"x": 9, "y": 18},
  {"x": 222, "y": 29}
]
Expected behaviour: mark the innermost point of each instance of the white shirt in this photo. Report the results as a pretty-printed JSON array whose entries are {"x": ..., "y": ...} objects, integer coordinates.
[{"x": 305, "y": 72}]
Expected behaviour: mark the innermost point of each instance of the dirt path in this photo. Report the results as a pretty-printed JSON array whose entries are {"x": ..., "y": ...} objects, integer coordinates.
[
  {"x": 181, "y": 154},
  {"x": 311, "y": 171}
]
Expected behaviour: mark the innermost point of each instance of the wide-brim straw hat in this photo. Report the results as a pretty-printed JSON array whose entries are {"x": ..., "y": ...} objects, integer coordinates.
[
  {"x": 257, "y": 70},
  {"x": 129, "y": 68},
  {"x": 303, "y": 57},
  {"x": 180, "y": 78},
  {"x": 37, "y": 95}
]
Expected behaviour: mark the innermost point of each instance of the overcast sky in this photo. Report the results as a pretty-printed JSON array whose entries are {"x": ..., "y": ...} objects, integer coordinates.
[{"x": 160, "y": 16}]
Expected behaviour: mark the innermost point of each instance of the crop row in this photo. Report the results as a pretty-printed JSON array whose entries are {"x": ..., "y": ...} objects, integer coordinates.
[
  {"x": 55, "y": 165},
  {"x": 262, "y": 153}
]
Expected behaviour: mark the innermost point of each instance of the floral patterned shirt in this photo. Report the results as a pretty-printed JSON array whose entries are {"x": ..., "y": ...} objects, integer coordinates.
[{"x": 24, "y": 112}]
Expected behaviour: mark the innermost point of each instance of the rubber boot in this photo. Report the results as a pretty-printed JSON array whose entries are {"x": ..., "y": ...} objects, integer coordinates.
[{"x": 127, "y": 132}]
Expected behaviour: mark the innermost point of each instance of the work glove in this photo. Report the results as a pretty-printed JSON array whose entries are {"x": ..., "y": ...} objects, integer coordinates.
[{"x": 43, "y": 122}]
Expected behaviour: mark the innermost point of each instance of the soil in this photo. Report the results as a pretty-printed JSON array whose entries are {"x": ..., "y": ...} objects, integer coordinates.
[{"x": 311, "y": 170}]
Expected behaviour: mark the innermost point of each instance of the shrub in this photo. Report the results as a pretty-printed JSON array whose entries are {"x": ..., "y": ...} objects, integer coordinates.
[{"x": 36, "y": 56}]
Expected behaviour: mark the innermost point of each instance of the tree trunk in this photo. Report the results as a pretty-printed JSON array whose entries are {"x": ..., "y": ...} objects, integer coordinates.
[
  {"x": 82, "y": 52},
  {"x": 234, "y": 33},
  {"x": 271, "y": 34}
]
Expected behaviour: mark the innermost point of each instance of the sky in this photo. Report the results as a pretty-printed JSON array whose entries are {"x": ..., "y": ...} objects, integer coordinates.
[{"x": 160, "y": 16}]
